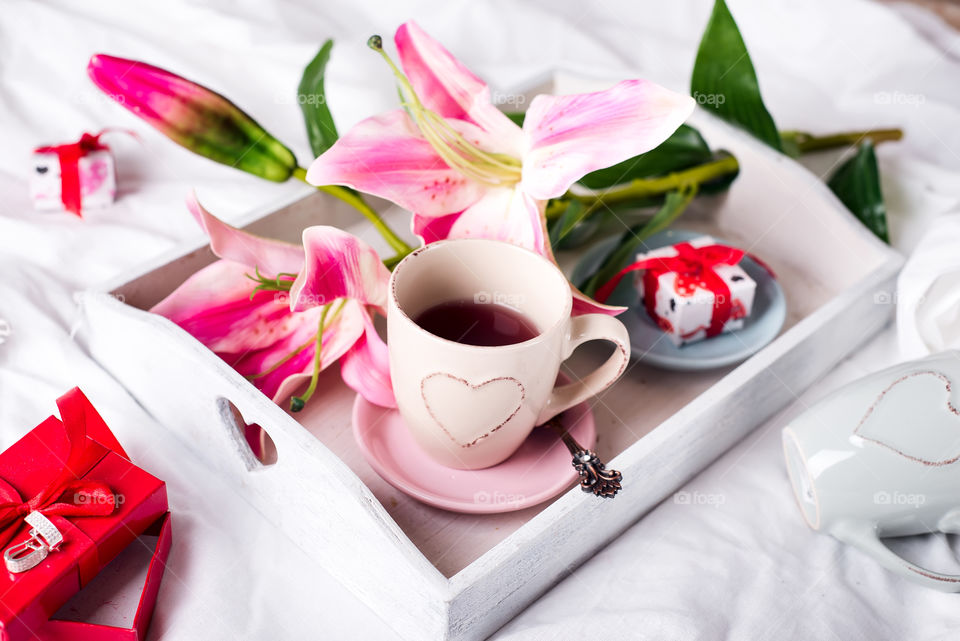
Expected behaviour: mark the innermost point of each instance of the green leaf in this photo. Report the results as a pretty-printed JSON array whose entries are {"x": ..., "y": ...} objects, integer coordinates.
[
  {"x": 624, "y": 251},
  {"x": 857, "y": 184},
  {"x": 561, "y": 227},
  {"x": 516, "y": 116},
  {"x": 684, "y": 148},
  {"x": 313, "y": 102},
  {"x": 572, "y": 228},
  {"x": 725, "y": 82}
]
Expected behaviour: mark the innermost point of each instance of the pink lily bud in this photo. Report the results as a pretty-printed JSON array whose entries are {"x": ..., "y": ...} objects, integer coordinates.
[{"x": 193, "y": 116}]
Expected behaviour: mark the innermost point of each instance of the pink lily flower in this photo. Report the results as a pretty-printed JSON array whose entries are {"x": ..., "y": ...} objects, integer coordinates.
[
  {"x": 272, "y": 337},
  {"x": 466, "y": 170}
]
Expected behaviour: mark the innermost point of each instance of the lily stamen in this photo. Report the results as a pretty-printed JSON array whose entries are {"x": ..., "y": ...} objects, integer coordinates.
[
  {"x": 458, "y": 152},
  {"x": 282, "y": 361},
  {"x": 316, "y": 338},
  {"x": 297, "y": 403}
]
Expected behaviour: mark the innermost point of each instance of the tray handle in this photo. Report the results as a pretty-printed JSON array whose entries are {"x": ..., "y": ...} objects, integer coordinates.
[{"x": 251, "y": 442}]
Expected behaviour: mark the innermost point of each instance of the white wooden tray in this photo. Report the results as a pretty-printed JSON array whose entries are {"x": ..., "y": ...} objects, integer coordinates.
[{"x": 437, "y": 575}]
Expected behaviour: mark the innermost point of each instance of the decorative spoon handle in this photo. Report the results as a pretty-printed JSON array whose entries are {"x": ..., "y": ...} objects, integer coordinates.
[{"x": 594, "y": 475}]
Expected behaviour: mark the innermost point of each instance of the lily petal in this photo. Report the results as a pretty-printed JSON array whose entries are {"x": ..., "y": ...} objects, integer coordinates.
[
  {"x": 504, "y": 214},
  {"x": 280, "y": 383},
  {"x": 583, "y": 304},
  {"x": 430, "y": 230},
  {"x": 573, "y": 135},
  {"x": 259, "y": 337},
  {"x": 339, "y": 336},
  {"x": 214, "y": 306},
  {"x": 386, "y": 156},
  {"x": 365, "y": 368},
  {"x": 447, "y": 87},
  {"x": 338, "y": 265},
  {"x": 270, "y": 256}
]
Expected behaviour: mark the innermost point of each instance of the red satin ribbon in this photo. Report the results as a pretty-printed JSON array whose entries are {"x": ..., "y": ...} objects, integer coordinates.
[
  {"x": 694, "y": 267},
  {"x": 65, "y": 495}
]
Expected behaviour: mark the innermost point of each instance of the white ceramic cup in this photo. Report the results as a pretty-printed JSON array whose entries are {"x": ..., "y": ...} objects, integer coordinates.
[
  {"x": 470, "y": 406},
  {"x": 879, "y": 458}
]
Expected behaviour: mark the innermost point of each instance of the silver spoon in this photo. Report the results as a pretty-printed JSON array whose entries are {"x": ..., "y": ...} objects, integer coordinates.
[{"x": 594, "y": 475}]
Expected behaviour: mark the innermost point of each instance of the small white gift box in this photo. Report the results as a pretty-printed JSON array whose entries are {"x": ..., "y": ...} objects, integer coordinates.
[
  {"x": 74, "y": 176},
  {"x": 696, "y": 289}
]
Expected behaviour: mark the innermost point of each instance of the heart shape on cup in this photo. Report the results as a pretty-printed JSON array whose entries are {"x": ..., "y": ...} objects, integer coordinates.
[
  {"x": 477, "y": 411},
  {"x": 914, "y": 417}
]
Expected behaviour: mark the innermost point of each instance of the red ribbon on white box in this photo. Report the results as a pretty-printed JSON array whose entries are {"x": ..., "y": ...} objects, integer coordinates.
[
  {"x": 69, "y": 155},
  {"x": 694, "y": 267}
]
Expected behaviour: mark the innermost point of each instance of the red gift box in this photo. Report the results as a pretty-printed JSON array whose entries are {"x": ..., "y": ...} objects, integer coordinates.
[
  {"x": 58, "y": 630},
  {"x": 68, "y": 470}
]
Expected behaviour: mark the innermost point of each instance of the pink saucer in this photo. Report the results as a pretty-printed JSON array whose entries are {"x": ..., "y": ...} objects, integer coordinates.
[{"x": 540, "y": 470}]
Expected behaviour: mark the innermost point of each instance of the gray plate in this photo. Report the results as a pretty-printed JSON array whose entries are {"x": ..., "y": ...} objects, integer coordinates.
[{"x": 648, "y": 342}]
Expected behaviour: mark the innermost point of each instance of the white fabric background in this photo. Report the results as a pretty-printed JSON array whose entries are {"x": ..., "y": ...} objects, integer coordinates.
[{"x": 742, "y": 566}]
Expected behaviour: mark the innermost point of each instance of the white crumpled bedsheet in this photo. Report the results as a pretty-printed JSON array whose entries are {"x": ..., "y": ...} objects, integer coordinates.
[{"x": 736, "y": 563}]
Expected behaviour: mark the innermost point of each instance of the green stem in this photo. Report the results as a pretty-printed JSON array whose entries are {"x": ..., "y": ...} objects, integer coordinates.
[
  {"x": 360, "y": 205},
  {"x": 804, "y": 142},
  {"x": 298, "y": 402},
  {"x": 392, "y": 262},
  {"x": 646, "y": 187}
]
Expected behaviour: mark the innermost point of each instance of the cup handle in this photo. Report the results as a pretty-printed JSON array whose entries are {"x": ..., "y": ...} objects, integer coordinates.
[
  {"x": 951, "y": 522},
  {"x": 589, "y": 327},
  {"x": 863, "y": 536}
]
